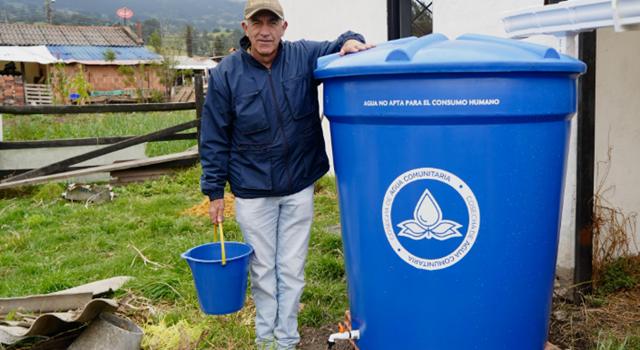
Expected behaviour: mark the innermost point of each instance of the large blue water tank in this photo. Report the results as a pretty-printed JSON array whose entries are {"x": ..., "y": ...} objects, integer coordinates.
[{"x": 450, "y": 159}]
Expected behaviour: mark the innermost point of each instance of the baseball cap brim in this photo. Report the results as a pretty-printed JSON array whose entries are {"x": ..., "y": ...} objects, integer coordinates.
[{"x": 264, "y": 8}]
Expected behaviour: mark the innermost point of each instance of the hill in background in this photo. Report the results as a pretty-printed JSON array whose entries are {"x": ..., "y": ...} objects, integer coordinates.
[{"x": 204, "y": 15}]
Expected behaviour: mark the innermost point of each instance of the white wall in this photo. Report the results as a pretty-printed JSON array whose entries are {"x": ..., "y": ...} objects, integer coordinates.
[
  {"x": 456, "y": 17},
  {"x": 326, "y": 20},
  {"x": 618, "y": 121}
]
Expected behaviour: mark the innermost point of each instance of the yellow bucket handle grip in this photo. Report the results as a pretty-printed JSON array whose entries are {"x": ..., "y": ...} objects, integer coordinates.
[{"x": 218, "y": 227}]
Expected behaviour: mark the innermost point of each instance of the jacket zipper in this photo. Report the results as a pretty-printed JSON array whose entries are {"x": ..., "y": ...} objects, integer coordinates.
[{"x": 284, "y": 135}]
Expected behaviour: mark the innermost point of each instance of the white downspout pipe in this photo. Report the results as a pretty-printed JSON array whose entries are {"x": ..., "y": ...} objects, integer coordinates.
[{"x": 571, "y": 17}]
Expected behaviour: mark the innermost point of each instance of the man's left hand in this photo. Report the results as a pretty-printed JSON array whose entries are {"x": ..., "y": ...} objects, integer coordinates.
[{"x": 352, "y": 46}]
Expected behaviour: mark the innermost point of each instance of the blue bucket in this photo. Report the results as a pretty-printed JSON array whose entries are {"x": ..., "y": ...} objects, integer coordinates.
[{"x": 221, "y": 288}]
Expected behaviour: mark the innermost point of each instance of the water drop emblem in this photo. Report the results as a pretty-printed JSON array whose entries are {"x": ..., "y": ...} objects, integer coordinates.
[
  {"x": 428, "y": 212},
  {"x": 427, "y": 222},
  {"x": 429, "y": 225}
]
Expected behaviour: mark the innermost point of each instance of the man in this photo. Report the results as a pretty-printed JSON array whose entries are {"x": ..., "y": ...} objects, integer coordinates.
[{"x": 261, "y": 132}]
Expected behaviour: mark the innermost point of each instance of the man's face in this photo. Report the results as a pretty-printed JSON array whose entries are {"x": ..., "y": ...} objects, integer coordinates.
[{"x": 264, "y": 30}]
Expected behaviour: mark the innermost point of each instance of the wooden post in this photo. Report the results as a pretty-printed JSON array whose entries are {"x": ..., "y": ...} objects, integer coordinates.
[
  {"x": 1, "y": 131},
  {"x": 91, "y": 141},
  {"x": 586, "y": 167},
  {"x": 199, "y": 87},
  {"x": 91, "y": 109}
]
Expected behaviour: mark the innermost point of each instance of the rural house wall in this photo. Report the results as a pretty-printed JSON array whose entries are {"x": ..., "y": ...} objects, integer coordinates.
[
  {"x": 108, "y": 78},
  {"x": 11, "y": 90}
]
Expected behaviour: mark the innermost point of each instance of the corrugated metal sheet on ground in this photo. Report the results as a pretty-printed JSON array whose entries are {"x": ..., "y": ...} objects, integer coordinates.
[{"x": 97, "y": 54}]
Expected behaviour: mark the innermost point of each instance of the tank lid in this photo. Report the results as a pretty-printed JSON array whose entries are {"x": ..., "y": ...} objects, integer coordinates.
[{"x": 435, "y": 53}]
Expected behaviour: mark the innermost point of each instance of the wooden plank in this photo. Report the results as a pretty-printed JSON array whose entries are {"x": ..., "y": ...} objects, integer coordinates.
[
  {"x": 11, "y": 172},
  {"x": 199, "y": 103},
  {"x": 90, "y": 109},
  {"x": 38, "y": 91},
  {"x": 131, "y": 176},
  {"x": 93, "y": 141},
  {"x": 149, "y": 172},
  {"x": 101, "y": 169},
  {"x": 65, "y": 164}
]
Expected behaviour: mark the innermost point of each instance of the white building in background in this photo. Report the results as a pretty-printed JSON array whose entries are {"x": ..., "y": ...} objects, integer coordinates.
[{"x": 617, "y": 79}]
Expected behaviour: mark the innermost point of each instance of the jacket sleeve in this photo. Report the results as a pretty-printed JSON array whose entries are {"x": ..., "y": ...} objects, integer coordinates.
[
  {"x": 215, "y": 137},
  {"x": 318, "y": 49}
]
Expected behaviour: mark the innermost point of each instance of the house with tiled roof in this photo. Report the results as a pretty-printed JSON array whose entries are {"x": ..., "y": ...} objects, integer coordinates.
[{"x": 30, "y": 55}]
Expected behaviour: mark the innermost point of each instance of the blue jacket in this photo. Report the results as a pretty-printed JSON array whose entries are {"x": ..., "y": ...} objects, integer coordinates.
[{"x": 261, "y": 127}]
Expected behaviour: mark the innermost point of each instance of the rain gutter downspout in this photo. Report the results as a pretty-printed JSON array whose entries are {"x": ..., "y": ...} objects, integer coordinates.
[
  {"x": 572, "y": 17},
  {"x": 569, "y": 20}
]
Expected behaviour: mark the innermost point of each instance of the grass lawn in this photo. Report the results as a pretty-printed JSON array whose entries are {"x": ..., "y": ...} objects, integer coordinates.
[
  {"x": 48, "y": 244},
  {"x": 38, "y": 127}
]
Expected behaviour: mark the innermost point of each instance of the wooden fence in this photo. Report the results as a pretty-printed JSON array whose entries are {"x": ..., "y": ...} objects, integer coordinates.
[{"x": 112, "y": 144}]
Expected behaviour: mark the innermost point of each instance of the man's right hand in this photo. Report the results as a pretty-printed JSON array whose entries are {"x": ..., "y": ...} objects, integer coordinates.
[{"x": 216, "y": 211}]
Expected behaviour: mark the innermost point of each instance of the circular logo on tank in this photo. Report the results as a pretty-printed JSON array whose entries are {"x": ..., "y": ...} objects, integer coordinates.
[{"x": 431, "y": 218}]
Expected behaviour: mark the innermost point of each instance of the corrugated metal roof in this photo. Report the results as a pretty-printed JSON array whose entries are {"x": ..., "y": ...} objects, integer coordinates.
[
  {"x": 32, "y": 34},
  {"x": 195, "y": 63},
  {"x": 93, "y": 54},
  {"x": 37, "y": 54}
]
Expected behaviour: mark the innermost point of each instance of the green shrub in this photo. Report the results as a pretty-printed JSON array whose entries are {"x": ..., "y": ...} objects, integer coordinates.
[{"x": 618, "y": 275}]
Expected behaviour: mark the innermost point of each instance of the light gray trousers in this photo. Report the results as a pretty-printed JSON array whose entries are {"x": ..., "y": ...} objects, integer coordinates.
[{"x": 278, "y": 229}]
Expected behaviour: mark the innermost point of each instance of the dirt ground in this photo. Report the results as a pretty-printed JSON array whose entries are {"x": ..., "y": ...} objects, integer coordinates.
[
  {"x": 579, "y": 326},
  {"x": 572, "y": 326},
  {"x": 316, "y": 339}
]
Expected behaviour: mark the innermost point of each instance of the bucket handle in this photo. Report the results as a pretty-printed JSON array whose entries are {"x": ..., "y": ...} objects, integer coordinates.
[{"x": 218, "y": 228}]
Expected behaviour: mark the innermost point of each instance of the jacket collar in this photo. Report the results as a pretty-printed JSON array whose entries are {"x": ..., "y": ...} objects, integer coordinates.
[{"x": 245, "y": 44}]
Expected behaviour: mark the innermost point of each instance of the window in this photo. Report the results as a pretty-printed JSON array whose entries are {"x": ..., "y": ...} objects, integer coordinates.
[
  {"x": 409, "y": 18},
  {"x": 422, "y": 17}
]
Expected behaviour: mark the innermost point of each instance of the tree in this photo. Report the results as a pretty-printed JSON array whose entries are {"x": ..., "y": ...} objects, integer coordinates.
[
  {"x": 81, "y": 86},
  {"x": 204, "y": 46},
  {"x": 167, "y": 72},
  {"x": 149, "y": 27},
  {"x": 233, "y": 39},
  {"x": 155, "y": 40},
  {"x": 60, "y": 82},
  {"x": 218, "y": 46},
  {"x": 189, "y": 40}
]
